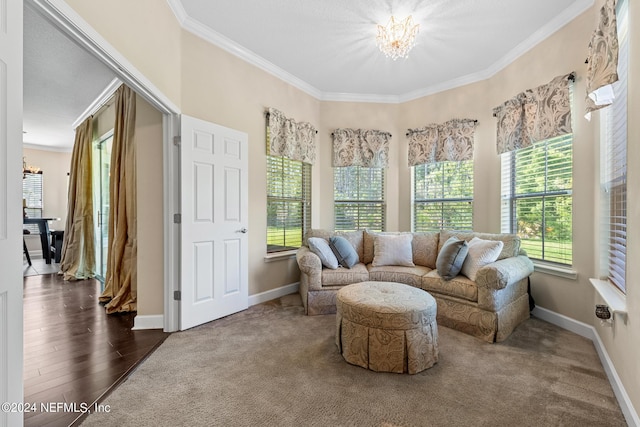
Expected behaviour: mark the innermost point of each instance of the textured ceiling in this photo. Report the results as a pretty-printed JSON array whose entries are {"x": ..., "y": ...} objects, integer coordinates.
[
  {"x": 329, "y": 45},
  {"x": 60, "y": 81}
]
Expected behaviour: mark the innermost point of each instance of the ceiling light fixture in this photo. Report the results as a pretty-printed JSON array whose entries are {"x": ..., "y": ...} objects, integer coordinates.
[{"x": 397, "y": 38}]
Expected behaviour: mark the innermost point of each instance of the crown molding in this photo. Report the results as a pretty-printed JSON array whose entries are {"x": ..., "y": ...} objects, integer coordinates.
[
  {"x": 568, "y": 15},
  {"x": 46, "y": 148},
  {"x": 178, "y": 10},
  {"x": 80, "y": 31},
  {"x": 197, "y": 28},
  {"x": 360, "y": 97},
  {"x": 217, "y": 39},
  {"x": 97, "y": 103}
]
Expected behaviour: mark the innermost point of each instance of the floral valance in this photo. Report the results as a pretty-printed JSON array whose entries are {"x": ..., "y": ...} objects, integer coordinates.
[
  {"x": 449, "y": 141},
  {"x": 289, "y": 139},
  {"x": 360, "y": 147},
  {"x": 602, "y": 60},
  {"x": 534, "y": 115}
]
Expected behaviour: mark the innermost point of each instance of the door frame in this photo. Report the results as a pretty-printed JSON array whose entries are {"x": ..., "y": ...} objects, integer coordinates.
[{"x": 72, "y": 24}]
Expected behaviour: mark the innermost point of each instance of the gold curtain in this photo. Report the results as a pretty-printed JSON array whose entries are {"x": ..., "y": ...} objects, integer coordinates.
[
  {"x": 121, "y": 288},
  {"x": 78, "y": 248}
]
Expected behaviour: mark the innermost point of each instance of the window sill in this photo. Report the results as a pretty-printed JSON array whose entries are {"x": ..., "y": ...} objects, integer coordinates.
[
  {"x": 280, "y": 256},
  {"x": 615, "y": 299},
  {"x": 555, "y": 270}
]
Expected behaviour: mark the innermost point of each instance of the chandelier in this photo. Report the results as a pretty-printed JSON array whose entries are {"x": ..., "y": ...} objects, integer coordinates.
[{"x": 397, "y": 38}]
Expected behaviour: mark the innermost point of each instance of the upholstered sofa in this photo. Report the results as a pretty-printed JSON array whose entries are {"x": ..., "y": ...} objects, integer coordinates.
[{"x": 489, "y": 308}]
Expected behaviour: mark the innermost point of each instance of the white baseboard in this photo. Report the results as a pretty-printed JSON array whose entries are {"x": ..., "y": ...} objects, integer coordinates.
[
  {"x": 157, "y": 321},
  {"x": 153, "y": 321},
  {"x": 587, "y": 331},
  {"x": 565, "y": 322},
  {"x": 273, "y": 294}
]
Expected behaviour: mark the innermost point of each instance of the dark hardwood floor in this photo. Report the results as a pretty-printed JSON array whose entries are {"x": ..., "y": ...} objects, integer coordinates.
[{"x": 74, "y": 353}]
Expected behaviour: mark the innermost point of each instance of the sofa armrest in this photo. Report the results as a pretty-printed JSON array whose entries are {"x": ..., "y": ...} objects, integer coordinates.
[
  {"x": 500, "y": 274},
  {"x": 308, "y": 262},
  {"x": 310, "y": 269}
]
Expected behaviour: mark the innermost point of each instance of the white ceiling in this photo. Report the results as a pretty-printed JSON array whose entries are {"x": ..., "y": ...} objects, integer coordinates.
[
  {"x": 328, "y": 49},
  {"x": 324, "y": 47}
]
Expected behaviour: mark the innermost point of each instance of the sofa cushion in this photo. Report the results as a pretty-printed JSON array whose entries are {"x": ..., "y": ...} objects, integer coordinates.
[
  {"x": 320, "y": 247},
  {"x": 459, "y": 286},
  {"x": 393, "y": 250},
  {"x": 511, "y": 241},
  {"x": 368, "y": 250},
  {"x": 345, "y": 276},
  {"x": 316, "y": 232},
  {"x": 425, "y": 248},
  {"x": 451, "y": 257},
  {"x": 354, "y": 237},
  {"x": 481, "y": 253},
  {"x": 407, "y": 275},
  {"x": 344, "y": 251}
]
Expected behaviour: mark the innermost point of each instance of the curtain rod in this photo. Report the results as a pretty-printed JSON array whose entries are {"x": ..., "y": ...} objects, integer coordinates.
[
  {"x": 571, "y": 76},
  {"x": 390, "y": 136}
]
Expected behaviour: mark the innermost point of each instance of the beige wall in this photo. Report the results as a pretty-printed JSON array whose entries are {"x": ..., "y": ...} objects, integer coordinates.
[
  {"x": 208, "y": 83},
  {"x": 383, "y": 117},
  {"x": 145, "y": 32},
  {"x": 471, "y": 102},
  {"x": 55, "y": 166},
  {"x": 148, "y": 140},
  {"x": 220, "y": 88}
]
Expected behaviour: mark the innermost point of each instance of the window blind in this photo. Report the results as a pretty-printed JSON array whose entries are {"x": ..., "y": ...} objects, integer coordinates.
[
  {"x": 443, "y": 196},
  {"x": 614, "y": 162},
  {"x": 288, "y": 203},
  {"x": 359, "y": 198},
  {"x": 32, "y": 195},
  {"x": 537, "y": 184}
]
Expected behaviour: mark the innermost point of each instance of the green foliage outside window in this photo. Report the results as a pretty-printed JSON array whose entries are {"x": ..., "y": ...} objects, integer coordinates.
[
  {"x": 359, "y": 198},
  {"x": 537, "y": 198},
  {"x": 288, "y": 203},
  {"x": 443, "y": 196}
]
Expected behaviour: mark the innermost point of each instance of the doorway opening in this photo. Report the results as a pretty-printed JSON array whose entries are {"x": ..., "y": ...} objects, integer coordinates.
[{"x": 101, "y": 160}]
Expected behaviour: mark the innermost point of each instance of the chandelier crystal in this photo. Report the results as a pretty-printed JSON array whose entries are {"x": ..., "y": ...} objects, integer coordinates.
[{"x": 397, "y": 38}]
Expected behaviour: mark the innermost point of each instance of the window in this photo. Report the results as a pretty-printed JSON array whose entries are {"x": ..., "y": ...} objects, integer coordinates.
[
  {"x": 613, "y": 167},
  {"x": 443, "y": 196},
  {"x": 32, "y": 198},
  {"x": 288, "y": 203},
  {"x": 359, "y": 198},
  {"x": 536, "y": 198}
]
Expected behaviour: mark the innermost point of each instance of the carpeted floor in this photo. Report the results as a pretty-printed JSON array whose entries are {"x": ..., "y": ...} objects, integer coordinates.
[{"x": 273, "y": 366}]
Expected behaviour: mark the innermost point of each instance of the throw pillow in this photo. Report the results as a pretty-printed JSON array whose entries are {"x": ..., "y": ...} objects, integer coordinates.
[
  {"x": 451, "y": 257},
  {"x": 320, "y": 247},
  {"x": 393, "y": 250},
  {"x": 481, "y": 253},
  {"x": 344, "y": 252}
]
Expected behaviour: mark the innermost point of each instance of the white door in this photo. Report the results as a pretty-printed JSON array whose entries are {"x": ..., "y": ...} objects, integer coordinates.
[
  {"x": 10, "y": 211},
  {"x": 214, "y": 204}
]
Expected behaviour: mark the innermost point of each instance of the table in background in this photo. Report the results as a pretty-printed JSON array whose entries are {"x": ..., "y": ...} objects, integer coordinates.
[{"x": 43, "y": 227}]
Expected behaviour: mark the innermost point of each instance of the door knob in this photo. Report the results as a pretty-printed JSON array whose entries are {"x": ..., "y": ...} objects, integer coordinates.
[{"x": 242, "y": 230}]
